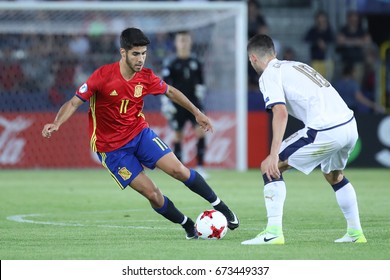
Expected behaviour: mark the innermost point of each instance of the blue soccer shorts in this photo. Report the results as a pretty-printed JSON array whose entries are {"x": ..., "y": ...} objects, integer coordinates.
[{"x": 125, "y": 163}]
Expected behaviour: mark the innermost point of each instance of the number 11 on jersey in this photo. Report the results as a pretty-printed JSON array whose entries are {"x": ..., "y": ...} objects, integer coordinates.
[{"x": 124, "y": 104}]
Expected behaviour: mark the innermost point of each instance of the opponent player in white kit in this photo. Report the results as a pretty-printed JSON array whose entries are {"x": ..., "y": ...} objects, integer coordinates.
[{"x": 329, "y": 136}]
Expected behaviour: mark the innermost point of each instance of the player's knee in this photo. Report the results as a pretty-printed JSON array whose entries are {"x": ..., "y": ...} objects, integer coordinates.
[
  {"x": 282, "y": 165},
  {"x": 155, "y": 197},
  {"x": 334, "y": 177},
  {"x": 179, "y": 172}
]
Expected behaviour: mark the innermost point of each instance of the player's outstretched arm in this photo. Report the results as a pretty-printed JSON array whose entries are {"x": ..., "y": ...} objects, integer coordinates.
[
  {"x": 178, "y": 97},
  {"x": 63, "y": 115}
]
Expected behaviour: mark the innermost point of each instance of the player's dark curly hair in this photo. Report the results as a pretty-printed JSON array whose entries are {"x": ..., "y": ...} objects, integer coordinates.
[{"x": 133, "y": 37}]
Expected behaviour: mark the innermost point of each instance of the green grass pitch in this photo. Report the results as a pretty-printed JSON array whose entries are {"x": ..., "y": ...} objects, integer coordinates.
[{"x": 83, "y": 215}]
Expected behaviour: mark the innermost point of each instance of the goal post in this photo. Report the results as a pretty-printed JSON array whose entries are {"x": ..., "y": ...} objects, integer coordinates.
[{"x": 64, "y": 42}]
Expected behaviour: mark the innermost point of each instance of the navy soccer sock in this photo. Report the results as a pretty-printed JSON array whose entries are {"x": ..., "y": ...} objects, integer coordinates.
[
  {"x": 340, "y": 184},
  {"x": 198, "y": 185},
  {"x": 170, "y": 212}
]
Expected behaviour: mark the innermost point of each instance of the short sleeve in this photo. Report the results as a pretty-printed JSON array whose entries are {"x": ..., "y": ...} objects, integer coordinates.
[
  {"x": 86, "y": 90},
  {"x": 270, "y": 84},
  {"x": 157, "y": 85}
]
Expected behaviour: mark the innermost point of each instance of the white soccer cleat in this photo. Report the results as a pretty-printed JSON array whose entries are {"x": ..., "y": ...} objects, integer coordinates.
[
  {"x": 352, "y": 236},
  {"x": 265, "y": 238}
]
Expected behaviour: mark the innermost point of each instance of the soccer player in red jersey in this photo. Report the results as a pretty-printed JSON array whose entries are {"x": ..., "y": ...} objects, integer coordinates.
[{"x": 121, "y": 137}]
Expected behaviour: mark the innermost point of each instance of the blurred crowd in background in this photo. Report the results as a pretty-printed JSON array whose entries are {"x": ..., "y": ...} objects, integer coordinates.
[{"x": 346, "y": 55}]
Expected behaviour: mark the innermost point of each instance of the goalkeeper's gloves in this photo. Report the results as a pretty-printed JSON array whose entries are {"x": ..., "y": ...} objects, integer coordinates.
[{"x": 200, "y": 91}]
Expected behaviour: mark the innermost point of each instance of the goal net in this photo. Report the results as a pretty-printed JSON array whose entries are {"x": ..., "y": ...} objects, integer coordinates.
[{"x": 48, "y": 49}]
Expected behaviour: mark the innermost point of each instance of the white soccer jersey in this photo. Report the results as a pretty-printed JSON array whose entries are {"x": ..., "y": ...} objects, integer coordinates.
[{"x": 307, "y": 95}]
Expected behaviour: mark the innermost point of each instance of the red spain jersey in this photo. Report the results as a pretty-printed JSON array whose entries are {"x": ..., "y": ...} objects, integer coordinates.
[{"x": 115, "y": 112}]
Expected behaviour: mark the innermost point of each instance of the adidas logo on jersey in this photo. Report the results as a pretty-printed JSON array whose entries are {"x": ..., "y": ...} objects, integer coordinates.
[{"x": 114, "y": 93}]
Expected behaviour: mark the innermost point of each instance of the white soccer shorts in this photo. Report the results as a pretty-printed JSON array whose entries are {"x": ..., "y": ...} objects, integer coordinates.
[{"x": 307, "y": 148}]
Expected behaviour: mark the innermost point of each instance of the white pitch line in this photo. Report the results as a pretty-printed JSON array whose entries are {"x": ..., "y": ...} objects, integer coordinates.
[
  {"x": 22, "y": 219},
  {"x": 27, "y": 218}
]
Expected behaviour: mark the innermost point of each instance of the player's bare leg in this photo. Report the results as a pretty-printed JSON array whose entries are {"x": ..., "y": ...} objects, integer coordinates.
[
  {"x": 196, "y": 183},
  {"x": 162, "y": 204}
]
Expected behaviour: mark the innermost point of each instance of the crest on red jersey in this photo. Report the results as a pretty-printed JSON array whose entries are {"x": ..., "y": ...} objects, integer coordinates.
[{"x": 138, "y": 90}]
